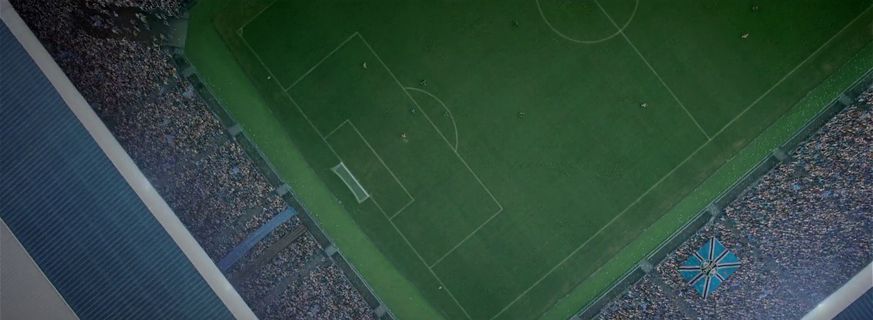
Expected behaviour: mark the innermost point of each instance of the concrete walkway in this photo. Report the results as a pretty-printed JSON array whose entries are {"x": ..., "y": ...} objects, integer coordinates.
[{"x": 244, "y": 247}]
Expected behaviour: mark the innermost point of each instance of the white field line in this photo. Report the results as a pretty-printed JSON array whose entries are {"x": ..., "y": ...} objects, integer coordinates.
[
  {"x": 448, "y": 111},
  {"x": 371, "y": 198},
  {"x": 402, "y": 208},
  {"x": 667, "y": 175},
  {"x": 349, "y": 122},
  {"x": 619, "y": 215},
  {"x": 463, "y": 161},
  {"x": 657, "y": 75},
  {"x": 246, "y": 24},
  {"x": 352, "y": 124},
  {"x": 327, "y": 136},
  {"x": 813, "y": 54},
  {"x": 429, "y": 269},
  {"x": 342, "y": 44},
  {"x": 322, "y": 136},
  {"x": 343, "y": 165},
  {"x": 488, "y": 190},
  {"x": 571, "y": 39}
]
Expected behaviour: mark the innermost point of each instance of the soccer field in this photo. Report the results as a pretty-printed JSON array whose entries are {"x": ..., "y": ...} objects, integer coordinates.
[{"x": 500, "y": 153}]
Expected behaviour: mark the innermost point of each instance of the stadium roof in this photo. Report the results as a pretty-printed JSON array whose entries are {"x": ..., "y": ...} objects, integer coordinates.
[
  {"x": 39, "y": 300},
  {"x": 854, "y": 300},
  {"x": 83, "y": 211},
  {"x": 862, "y": 308}
]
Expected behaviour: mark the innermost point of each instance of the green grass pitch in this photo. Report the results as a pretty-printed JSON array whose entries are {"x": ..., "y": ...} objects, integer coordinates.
[{"x": 510, "y": 149}]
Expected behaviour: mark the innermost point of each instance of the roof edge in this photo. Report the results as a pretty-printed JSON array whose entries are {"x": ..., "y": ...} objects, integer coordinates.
[
  {"x": 838, "y": 301},
  {"x": 27, "y": 258},
  {"x": 125, "y": 165}
]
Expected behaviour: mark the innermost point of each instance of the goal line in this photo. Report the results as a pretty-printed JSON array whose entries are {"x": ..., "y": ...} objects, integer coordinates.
[{"x": 351, "y": 182}]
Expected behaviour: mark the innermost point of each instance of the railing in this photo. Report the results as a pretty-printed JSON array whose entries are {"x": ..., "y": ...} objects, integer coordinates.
[
  {"x": 234, "y": 131},
  {"x": 727, "y": 196}
]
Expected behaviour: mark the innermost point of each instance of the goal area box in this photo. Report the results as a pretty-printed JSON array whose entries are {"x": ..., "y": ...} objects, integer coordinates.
[{"x": 351, "y": 182}]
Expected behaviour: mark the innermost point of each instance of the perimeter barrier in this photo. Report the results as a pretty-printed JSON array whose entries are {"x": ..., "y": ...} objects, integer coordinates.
[
  {"x": 235, "y": 132},
  {"x": 736, "y": 190}
]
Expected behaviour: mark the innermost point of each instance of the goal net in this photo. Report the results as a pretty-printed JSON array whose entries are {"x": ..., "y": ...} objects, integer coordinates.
[{"x": 351, "y": 182}]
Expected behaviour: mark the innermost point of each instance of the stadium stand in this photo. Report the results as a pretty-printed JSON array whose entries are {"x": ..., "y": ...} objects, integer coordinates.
[
  {"x": 83, "y": 212},
  {"x": 801, "y": 231},
  {"x": 111, "y": 50},
  {"x": 854, "y": 300}
]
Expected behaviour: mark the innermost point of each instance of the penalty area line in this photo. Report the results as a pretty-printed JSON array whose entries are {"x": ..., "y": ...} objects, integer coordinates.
[
  {"x": 253, "y": 18},
  {"x": 420, "y": 258},
  {"x": 651, "y": 68},
  {"x": 331, "y": 53},
  {"x": 585, "y": 243}
]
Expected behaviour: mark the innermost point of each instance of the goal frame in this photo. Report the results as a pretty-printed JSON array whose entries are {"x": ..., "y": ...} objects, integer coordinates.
[{"x": 351, "y": 182}]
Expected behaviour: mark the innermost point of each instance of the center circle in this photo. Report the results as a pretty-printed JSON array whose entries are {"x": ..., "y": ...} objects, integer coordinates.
[{"x": 584, "y": 21}]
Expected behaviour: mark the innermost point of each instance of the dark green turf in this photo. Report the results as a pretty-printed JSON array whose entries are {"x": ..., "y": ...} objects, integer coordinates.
[{"x": 582, "y": 173}]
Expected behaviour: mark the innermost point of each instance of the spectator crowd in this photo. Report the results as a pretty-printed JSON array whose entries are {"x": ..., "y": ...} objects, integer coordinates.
[
  {"x": 801, "y": 232},
  {"x": 106, "y": 49}
]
